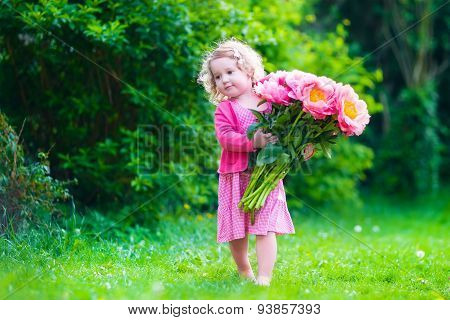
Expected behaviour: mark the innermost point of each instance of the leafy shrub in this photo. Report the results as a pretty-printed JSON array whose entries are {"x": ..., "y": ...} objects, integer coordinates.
[
  {"x": 146, "y": 55},
  {"x": 26, "y": 190},
  {"x": 401, "y": 167},
  {"x": 332, "y": 182}
]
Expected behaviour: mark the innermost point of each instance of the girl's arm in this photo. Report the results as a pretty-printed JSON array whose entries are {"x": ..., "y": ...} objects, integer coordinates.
[{"x": 229, "y": 139}]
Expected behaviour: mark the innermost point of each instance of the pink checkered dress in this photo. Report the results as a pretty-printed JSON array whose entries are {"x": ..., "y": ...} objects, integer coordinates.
[{"x": 232, "y": 222}]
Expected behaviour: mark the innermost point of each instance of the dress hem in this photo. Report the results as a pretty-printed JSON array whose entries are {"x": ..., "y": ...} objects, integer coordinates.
[{"x": 259, "y": 234}]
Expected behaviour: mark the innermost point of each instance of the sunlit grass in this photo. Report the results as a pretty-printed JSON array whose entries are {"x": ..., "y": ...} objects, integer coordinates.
[{"x": 407, "y": 259}]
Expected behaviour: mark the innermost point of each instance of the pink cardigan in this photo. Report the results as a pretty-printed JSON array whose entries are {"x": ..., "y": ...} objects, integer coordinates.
[{"x": 232, "y": 138}]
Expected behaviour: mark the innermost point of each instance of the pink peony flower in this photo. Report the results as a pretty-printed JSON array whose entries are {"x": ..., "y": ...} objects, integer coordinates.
[
  {"x": 278, "y": 76},
  {"x": 316, "y": 93},
  {"x": 352, "y": 112},
  {"x": 272, "y": 88},
  {"x": 293, "y": 81}
]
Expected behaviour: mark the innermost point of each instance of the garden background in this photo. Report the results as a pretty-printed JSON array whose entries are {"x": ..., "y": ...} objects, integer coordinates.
[{"x": 108, "y": 184}]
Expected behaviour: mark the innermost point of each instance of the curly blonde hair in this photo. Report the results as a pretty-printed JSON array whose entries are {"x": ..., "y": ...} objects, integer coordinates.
[{"x": 247, "y": 59}]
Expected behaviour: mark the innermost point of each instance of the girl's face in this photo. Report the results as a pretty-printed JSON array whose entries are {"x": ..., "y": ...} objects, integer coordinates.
[{"x": 230, "y": 80}]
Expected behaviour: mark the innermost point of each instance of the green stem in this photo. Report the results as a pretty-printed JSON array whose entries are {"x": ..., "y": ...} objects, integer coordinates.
[
  {"x": 256, "y": 198},
  {"x": 253, "y": 181},
  {"x": 302, "y": 145},
  {"x": 293, "y": 126},
  {"x": 262, "y": 198},
  {"x": 252, "y": 202},
  {"x": 253, "y": 194},
  {"x": 249, "y": 192},
  {"x": 255, "y": 177},
  {"x": 270, "y": 184}
]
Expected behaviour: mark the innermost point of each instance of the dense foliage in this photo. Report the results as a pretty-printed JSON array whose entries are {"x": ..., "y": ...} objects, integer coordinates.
[
  {"x": 27, "y": 191},
  {"x": 409, "y": 42},
  {"x": 112, "y": 86}
]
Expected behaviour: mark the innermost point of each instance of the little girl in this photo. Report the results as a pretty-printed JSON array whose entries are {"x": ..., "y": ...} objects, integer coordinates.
[{"x": 228, "y": 75}]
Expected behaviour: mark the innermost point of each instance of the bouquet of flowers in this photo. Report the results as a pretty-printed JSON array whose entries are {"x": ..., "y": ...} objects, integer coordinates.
[{"x": 308, "y": 113}]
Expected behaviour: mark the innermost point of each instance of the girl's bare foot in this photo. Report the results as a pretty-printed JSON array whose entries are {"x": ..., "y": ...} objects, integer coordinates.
[
  {"x": 248, "y": 274},
  {"x": 263, "y": 281}
]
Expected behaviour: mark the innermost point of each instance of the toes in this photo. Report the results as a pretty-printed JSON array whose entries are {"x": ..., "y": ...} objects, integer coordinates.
[
  {"x": 263, "y": 281},
  {"x": 247, "y": 275}
]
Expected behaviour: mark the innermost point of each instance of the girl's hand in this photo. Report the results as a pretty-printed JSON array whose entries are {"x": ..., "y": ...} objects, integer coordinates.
[{"x": 261, "y": 139}]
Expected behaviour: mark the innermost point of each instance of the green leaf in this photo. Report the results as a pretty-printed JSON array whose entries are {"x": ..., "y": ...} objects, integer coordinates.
[
  {"x": 283, "y": 119},
  {"x": 298, "y": 140},
  {"x": 269, "y": 154},
  {"x": 95, "y": 28},
  {"x": 252, "y": 159},
  {"x": 261, "y": 102},
  {"x": 331, "y": 126},
  {"x": 252, "y": 129},
  {"x": 292, "y": 151},
  {"x": 258, "y": 115},
  {"x": 283, "y": 158},
  {"x": 326, "y": 150}
]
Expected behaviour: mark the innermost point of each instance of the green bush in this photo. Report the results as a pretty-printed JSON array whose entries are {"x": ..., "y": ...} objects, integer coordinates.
[
  {"x": 412, "y": 170},
  {"x": 26, "y": 189},
  {"x": 332, "y": 182},
  {"x": 124, "y": 65}
]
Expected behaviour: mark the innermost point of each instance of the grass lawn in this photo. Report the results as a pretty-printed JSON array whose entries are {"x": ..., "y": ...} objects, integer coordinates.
[{"x": 181, "y": 259}]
